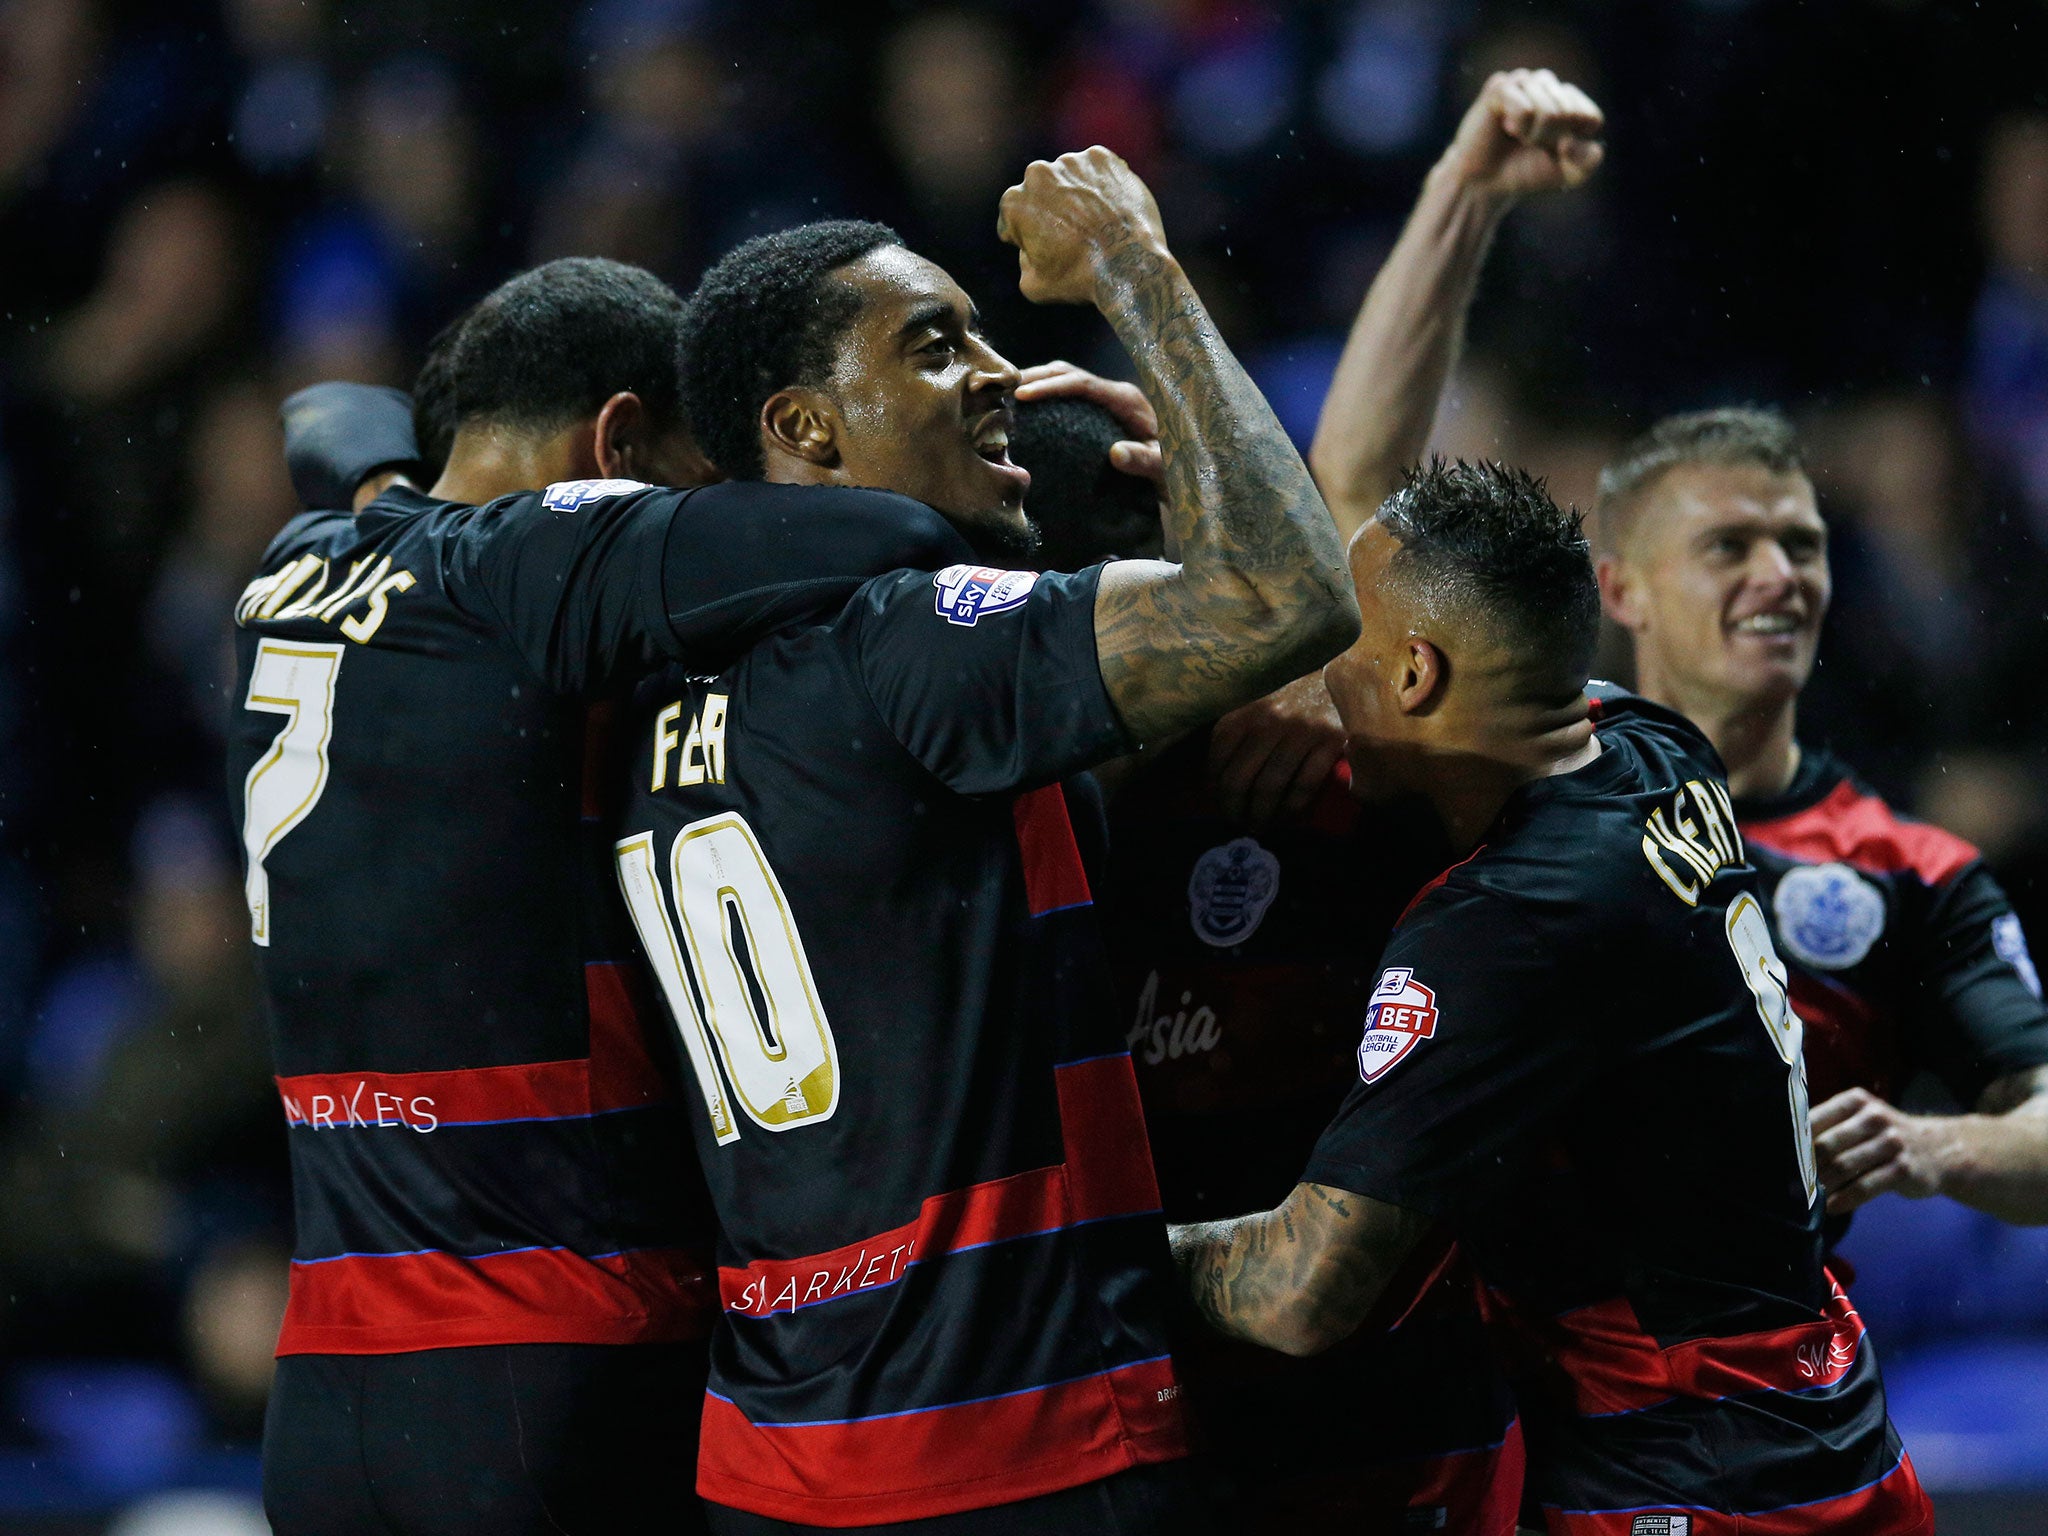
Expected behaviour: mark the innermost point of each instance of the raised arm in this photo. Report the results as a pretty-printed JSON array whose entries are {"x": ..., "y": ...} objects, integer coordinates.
[
  {"x": 1527, "y": 132},
  {"x": 1298, "y": 1278},
  {"x": 1261, "y": 593}
]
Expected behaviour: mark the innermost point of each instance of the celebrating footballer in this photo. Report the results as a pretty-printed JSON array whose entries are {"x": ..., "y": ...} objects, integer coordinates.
[{"x": 855, "y": 935}]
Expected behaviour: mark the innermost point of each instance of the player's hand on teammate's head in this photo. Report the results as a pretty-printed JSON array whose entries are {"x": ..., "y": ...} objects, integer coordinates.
[
  {"x": 1068, "y": 215},
  {"x": 1271, "y": 758},
  {"x": 1528, "y": 131},
  {"x": 1138, "y": 453}
]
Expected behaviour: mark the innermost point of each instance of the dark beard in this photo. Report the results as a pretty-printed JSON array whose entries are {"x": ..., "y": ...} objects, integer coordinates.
[{"x": 1005, "y": 547}]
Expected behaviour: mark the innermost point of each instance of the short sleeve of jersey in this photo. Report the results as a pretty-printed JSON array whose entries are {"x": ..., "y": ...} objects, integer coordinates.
[
  {"x": 1980, "y": 1016},
  {"x": 1463, "y": 1064},
  {"x": 988, "y": 678},
  {"x": 573, "y": 576},
  {"x": 595, "y": 581}
]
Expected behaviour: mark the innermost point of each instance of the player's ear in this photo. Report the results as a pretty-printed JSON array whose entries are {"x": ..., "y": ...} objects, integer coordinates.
[
  {"x": 1618, "y": 594},
  {"x": 802, "y": 424},
  {"x": 1419, "y": 676},
  {"x": 619, "y": 445}
]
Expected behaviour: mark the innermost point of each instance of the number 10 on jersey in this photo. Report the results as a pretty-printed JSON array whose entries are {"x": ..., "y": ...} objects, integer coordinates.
[{"x": 740, "y": 947}]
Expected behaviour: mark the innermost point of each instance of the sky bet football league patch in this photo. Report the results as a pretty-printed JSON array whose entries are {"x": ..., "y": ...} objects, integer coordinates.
[
  {"x": 1402, "y": 1013},
  {"x": 966, "y": 592},
  {"x": 573, "y": 495}
]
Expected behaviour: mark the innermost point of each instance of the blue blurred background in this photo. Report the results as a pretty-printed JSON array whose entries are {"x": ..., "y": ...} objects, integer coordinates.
[{"x": 1839, "y": 205}]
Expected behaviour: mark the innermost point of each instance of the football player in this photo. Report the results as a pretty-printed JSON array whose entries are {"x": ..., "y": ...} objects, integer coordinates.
[
  {"x": 1249, "y": 896},
  {"x": 1579, "y": 1060},
  {"x": 499, "y": 1293},
  {"x": 854, "y": 863},
  {"x": 1905, "y": 954}
]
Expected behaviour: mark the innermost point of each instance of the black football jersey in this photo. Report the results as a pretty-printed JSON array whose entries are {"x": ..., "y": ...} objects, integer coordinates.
[
  {"x": 1905, "y": 954},
  {"x": 1244, "y": 961},
  {"x": 855, "y": 867},
  {"x": 485, "y": 1149},
  {"x": 1580, "y": 1056}
]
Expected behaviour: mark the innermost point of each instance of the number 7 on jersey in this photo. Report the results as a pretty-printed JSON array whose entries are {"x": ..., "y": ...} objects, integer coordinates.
[{"x": 295, "y": 679}]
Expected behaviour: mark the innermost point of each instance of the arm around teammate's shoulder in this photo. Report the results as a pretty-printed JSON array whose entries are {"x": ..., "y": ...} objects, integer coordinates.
[
  {"x": 1260, "y": 593},
  {"x": 596, "y": 580}
]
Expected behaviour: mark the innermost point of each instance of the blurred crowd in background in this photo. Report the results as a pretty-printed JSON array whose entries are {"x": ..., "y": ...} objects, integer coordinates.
[{"x": 1840, "y": 206}]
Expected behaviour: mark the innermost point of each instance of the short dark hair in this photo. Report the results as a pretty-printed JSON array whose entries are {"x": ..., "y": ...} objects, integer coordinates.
[
  {"x": 552, "y": 345},
  {"x": 1487, "y": 541},
  {"x": 1085, "y": 508},
  {"x": 1729, "y": 434},
  {"x": 768, "y": 315}
]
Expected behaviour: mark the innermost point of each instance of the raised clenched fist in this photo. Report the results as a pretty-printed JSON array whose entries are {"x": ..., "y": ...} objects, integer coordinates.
[
  {"x": 1528, "y": 132},
  {"x": 1067, "y": 216}
]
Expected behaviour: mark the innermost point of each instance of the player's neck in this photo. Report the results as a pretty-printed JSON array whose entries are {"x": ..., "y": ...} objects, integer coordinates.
[
  {"x": 1470, "y": 777},
  {"x": 1754, "y": 737},
  {"x": 1758, "y": 747},
  {"x": 485, "y": 463}
]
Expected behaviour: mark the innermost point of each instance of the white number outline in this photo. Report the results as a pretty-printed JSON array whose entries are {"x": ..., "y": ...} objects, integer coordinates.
[
  {"x": 642, "y": 888},
  {"x": 709, "y": 861},
  {"x": 1749, "y": 936},
  {"x": 275, "y": 687}
]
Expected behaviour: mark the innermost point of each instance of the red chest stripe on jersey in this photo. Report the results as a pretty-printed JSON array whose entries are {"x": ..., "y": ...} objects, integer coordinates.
[
  {"x": 618, "y": 1074},
  {"x": 1850, "y": 827},
  {"x": 1054, "y": 878},
  {"x": 1107, "y": 1173},
  {"x": 1614, "y": 1366},
  {"x": 1845, "y": 1047},
  {"x": 386, "y": 1303},
  {"x": 939, "y": 1461},
  {"x": 1894, "y": 1505}
]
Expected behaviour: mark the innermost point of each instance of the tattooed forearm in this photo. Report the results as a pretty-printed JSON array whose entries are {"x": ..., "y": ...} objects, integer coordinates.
[
  {"x": 1298, "y": 1278},
  {"x": 1261, "y": 595}
]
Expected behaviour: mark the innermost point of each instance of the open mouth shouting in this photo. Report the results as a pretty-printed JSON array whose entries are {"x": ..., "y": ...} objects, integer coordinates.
[{"x": 991, "y": 438}]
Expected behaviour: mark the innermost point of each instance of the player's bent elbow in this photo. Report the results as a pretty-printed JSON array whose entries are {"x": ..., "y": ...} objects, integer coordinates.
[
  {"x": 1302, "y": 1328},
  {"x": 1319, "y": 631}
]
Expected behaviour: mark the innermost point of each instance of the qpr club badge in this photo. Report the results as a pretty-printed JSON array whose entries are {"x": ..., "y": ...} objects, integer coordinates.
[
  {"x": 1401, "y": 1014},
  {"x": 1828, "y": 915},
  {"x": 1229, "y": 891},
  {"x": 967, "y": 592}
]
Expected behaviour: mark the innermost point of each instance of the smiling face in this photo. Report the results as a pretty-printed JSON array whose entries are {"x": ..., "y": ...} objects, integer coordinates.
[
  {"x": 1723, "y": 581},
  {"x": 922, "y": 399}
]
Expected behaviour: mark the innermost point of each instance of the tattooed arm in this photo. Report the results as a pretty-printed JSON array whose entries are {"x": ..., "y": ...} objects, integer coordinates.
[
  {"x": 1261, "y": 594},
  {"x": 1301, "y": 1277}
]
